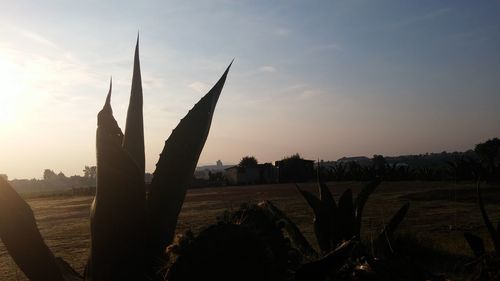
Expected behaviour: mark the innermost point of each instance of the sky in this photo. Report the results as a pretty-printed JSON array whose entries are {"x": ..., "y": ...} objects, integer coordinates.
[{"x": 325, "y": 79}]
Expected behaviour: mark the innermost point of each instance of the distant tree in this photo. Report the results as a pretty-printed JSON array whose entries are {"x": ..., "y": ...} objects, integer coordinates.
[
  {"x": 48, "y": 174},
  {"x": 379, "y": 164},
  {"x": 354, "y": 171},
  {"x": 464, "y": 168},
  {"x": 397, "y": 172},
  {"x": 248, "y": 161},
  {"x": 61, "y": 176},
  {"x": 489, "y": 152},
  {"x": 339, "y": 171},
  {"x": 90, "y": 172},
  {"x": 293, "y": 156}
]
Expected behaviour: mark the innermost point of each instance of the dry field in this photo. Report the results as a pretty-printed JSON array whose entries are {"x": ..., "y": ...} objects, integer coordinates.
[{"x": 439, "y": 214}]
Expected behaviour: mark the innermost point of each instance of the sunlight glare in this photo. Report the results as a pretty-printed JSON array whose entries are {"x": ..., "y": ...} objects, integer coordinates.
[
  {"x": 22, "y": 78},
  {"x": 13, "y": 92}
]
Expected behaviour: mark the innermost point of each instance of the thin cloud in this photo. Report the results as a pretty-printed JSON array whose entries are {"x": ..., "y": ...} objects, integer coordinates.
[
  {"x": 31, "y": 35},
  {"x": 153, "y": 82},
  {"x": 37, "y": 38},
  {"x": 267, "y": 68},
  {"x": 293, "y": 88},
  {"x": 198, "y": 86},
  {"x": 301, "y": 91}
]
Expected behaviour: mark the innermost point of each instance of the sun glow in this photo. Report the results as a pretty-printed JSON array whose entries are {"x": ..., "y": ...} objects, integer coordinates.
[
  {"x": 19, "y": 79},
  {"x": 13, "y": 91}
]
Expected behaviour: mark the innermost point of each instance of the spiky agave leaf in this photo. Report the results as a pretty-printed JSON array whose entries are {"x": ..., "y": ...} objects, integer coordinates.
[
  {"x": 395, "y": 221},
  {"x": 68, "y": 273},
  {"x": 320, "y": 269},
  {"x": 475, "y": 243},
  {"x": 345, "y": 219},
  {"x": 335, "y": 231},
  {"x": 22, "y": 238},
  {"x": 298, "y": 240},
  {"x": 117, "y": 212},
  {"x": 361, "y": 200},
  {"x": 175, "y": 169},
  {"x": 133, "y": 139},
  {"x": 323, "y": 221},
  {"x": 326, "y": 196},
  {"x": 315, "y": 203},
  {"x": 495, "y": 236}
]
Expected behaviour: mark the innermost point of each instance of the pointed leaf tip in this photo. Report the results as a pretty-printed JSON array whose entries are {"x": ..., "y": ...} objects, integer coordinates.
[
  {"x": 396, "y": 220},
  {"x": 133, "y": 142},
  {"x": 475, "y": 243},
  {"x": 229, "y": 66},
  {"x": 224, "y": 75},
  {"x": 326, "y": 197},
  {"x": 107, "y": 103},
  {"x": 137, "y": 46}
]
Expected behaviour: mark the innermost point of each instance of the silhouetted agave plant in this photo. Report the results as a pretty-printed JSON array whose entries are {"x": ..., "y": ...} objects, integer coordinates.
[
  {"x": 337, "y": 227},
  {"x": 335, "y": 223},
  {"x": 130, "y": 228},
  {"x": 245, "y": 244},
  {"x": 487, "y": 265}
]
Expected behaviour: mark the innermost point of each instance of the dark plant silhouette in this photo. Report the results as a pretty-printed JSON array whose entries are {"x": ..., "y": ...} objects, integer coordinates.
[
  {"x": 130, "y": 228},
  {"x": 337, "y": 227},
  {"x": 22, "y": 238},
  {"x": 245, "y": 244},
  {"x": 223, "y": 252},
  {"x": 487, "y": 265},
  {"x": 335, "y": 223}
]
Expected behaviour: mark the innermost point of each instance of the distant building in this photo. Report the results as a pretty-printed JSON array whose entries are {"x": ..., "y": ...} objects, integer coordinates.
[
  {"x": 4, "y": 176},
  {"x": 203, "y": 172},
  {"x": 262, "y": 173},
  {"x": 295, "y": 169}
]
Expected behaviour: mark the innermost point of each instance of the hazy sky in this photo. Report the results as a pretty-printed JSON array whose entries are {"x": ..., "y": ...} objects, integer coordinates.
[{"x": 323, "y": 78}]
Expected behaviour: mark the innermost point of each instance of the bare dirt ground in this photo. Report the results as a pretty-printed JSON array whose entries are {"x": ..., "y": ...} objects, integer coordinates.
[{"x": 439, "y": 214}]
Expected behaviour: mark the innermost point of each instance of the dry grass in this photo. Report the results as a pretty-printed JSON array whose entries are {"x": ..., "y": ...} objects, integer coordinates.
[{"x": 433, "y": 216}]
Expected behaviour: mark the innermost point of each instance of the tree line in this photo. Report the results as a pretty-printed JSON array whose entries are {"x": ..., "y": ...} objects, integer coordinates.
[
  {"x": 58, "y": 181},
  {"x": 483, "y": 162}
]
